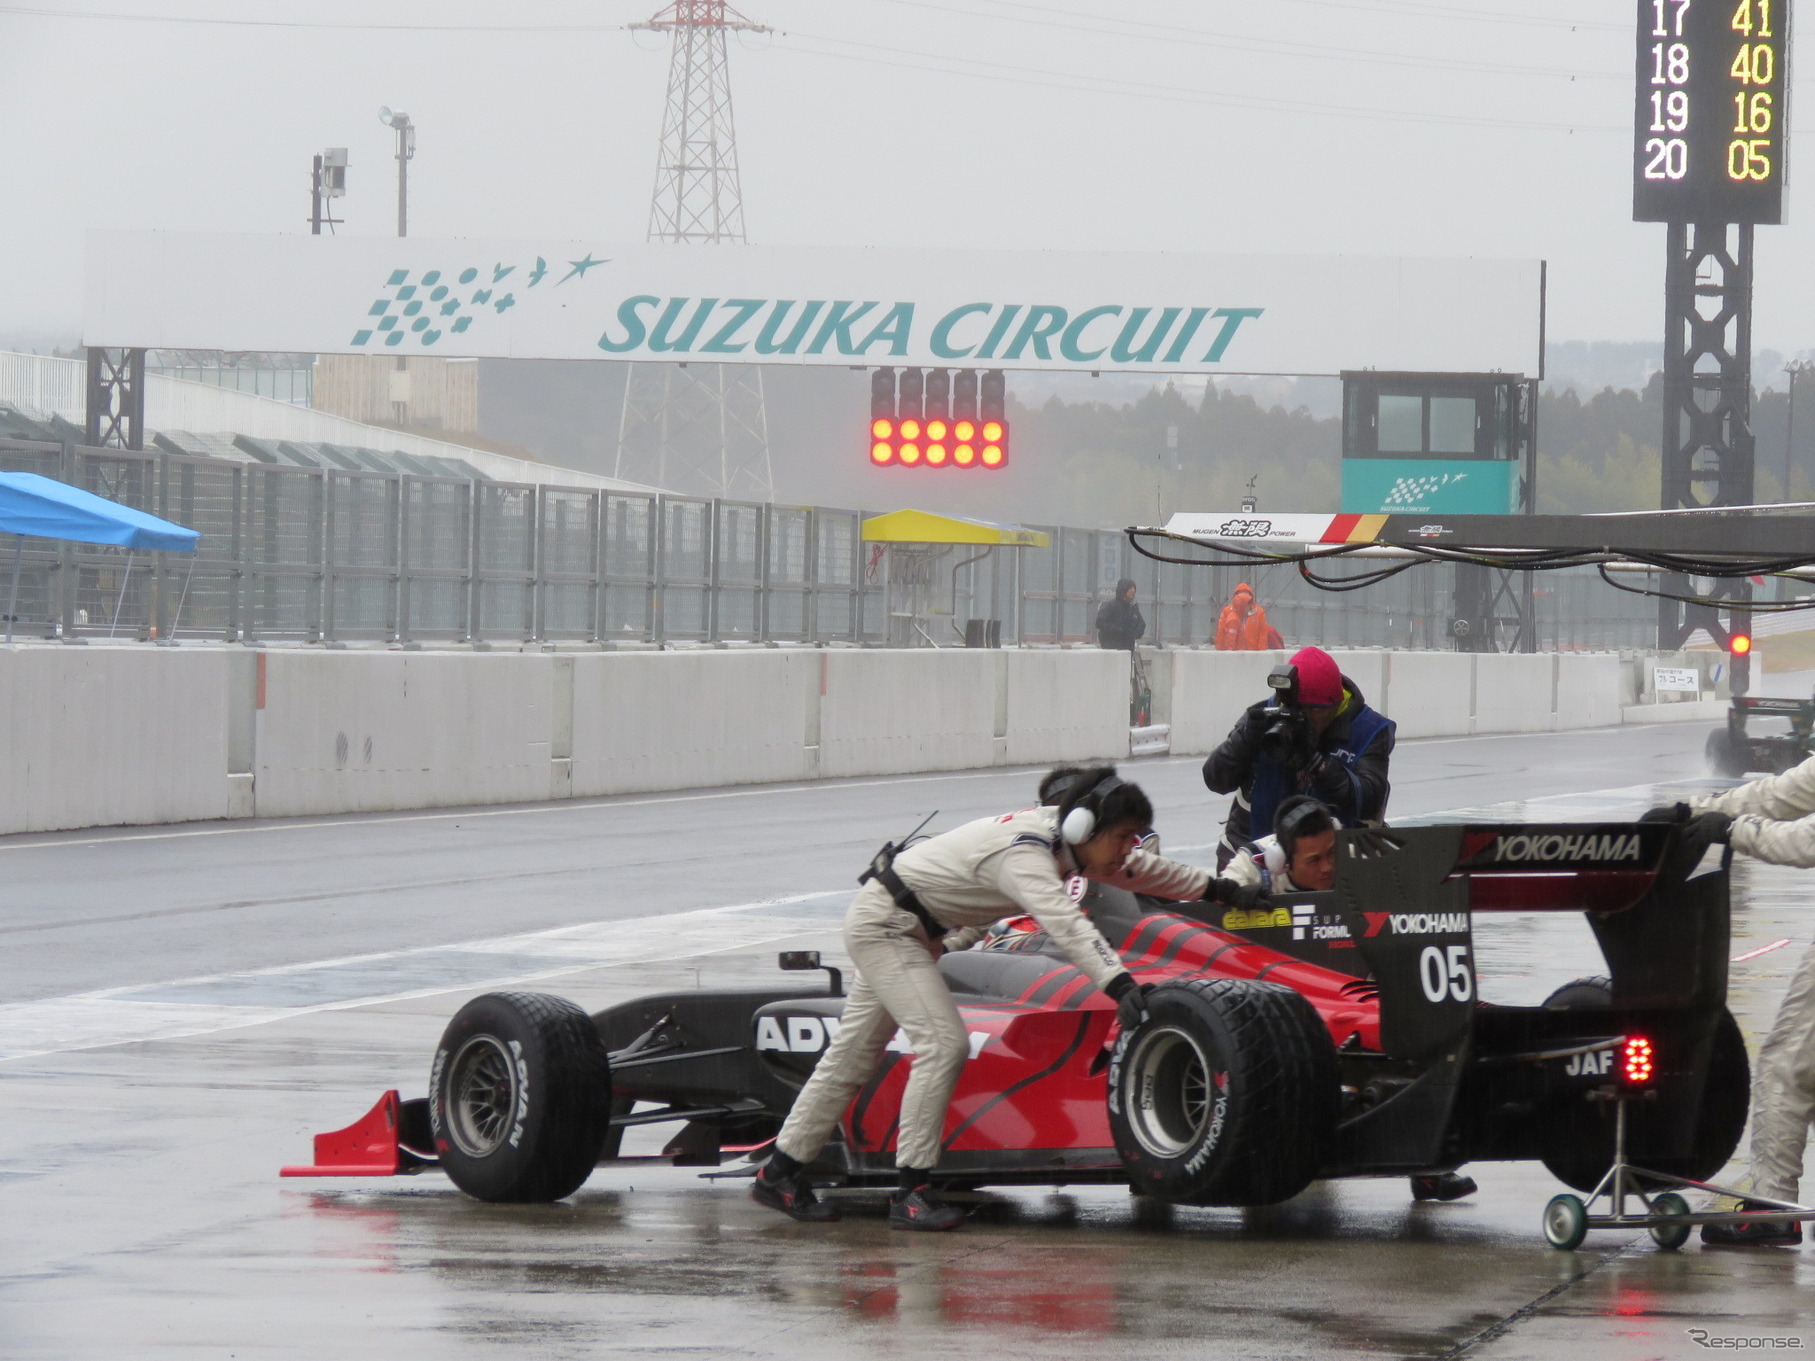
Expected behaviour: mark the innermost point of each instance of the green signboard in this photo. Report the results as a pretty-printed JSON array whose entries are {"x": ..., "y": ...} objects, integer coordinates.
[{"x": 1406, "y": 486}]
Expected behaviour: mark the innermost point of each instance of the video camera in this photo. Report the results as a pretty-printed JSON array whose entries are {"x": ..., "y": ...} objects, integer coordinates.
[{"x": 1287, "y": 736}]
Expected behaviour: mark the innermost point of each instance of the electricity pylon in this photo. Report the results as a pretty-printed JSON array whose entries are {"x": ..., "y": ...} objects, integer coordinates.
[{"x": 700, "y": 429}]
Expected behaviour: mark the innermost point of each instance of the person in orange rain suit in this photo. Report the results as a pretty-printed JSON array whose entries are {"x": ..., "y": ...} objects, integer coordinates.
[{"x": 1243, "y": 626}]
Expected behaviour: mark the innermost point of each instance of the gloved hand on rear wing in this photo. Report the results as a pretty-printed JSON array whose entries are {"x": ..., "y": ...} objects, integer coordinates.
[
  {"x": 1668, "y": 812},
  {"x": 1707, "y": 829}
]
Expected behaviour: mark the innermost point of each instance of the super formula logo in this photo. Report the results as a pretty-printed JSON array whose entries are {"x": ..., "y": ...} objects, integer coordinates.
[{"x": 428, "y": 304}]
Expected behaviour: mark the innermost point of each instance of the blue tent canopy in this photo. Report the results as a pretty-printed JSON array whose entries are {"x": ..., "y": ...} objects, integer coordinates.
[{"x": 47, "y": 509}]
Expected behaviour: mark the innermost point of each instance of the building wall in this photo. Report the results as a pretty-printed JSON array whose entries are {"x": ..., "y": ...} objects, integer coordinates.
[{"x": 412, "y": 390}]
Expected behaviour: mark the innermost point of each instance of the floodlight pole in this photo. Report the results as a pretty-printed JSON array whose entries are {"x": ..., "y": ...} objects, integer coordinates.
[
  {"x": 400, "y": 123},
  {"x": 1794, "y": 367}
]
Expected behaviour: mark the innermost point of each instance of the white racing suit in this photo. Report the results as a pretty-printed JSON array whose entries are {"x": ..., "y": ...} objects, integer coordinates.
[
  {"x": 965, "y": 878},
  {"x": 1261, "y": 862},
  {"x": 1772, "y": 822}
]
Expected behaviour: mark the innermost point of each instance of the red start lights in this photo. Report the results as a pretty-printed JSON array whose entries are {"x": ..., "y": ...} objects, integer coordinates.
[
  {"x": 1636, "y": 1061},
  {"x": 1740, "y": 644},
  {"x": 938, "y": 419}
]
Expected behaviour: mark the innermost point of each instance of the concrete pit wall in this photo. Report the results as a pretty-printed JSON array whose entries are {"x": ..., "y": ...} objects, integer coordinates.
[{"x": 101, "y": 736}]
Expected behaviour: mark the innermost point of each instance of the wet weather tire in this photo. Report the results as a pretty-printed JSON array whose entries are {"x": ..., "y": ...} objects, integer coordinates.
[
  {"x": 1226, "y": 1095},
  {"x": 520, "y": 1097}
]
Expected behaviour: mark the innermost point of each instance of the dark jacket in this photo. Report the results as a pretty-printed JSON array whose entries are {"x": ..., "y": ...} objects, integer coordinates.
[
  {"x": 1119, "y": 621},
  {"x": 1347, "y": 770}
]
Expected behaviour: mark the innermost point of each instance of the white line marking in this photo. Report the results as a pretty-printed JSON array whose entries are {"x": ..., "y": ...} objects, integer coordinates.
[
  {"x": 122, "y": 1015},
  {"x": 1762, "y": 950}
]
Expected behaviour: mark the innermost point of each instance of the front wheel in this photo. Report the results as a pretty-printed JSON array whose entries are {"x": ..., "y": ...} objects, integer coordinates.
[
  {"x": 520, "y": 1097},
  {"x": 1226, "y": 1095}
]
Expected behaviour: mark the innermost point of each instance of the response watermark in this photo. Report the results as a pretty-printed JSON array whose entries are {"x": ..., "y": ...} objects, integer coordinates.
[{"x": 1749, "y": 1342}]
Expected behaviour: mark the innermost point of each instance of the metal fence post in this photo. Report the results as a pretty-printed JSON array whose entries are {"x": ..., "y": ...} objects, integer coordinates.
[{"x": 475, "y": 584}]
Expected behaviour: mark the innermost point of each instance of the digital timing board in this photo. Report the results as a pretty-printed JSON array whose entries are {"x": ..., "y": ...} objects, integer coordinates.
[{"x": 1711, "y": 118}]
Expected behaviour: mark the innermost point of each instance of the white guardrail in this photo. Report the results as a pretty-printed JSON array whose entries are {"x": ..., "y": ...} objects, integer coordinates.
[{"x": 44, "y": 385}]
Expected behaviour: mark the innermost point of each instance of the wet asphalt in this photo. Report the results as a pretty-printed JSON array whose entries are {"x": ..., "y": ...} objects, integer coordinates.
[{"x": 181, "y": 1008}]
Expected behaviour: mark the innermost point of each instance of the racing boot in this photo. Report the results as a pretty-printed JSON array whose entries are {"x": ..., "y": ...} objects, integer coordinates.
[
  {"x": 922, "y": 1209},
  {"x": 792, "y": 1194},
  {"x": 1754, "y": 1233},
  {"x": 1443, "y": 1186}
]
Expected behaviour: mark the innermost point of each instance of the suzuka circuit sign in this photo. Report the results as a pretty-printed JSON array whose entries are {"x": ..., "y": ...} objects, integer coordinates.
[{"x": 767, "y": 305}]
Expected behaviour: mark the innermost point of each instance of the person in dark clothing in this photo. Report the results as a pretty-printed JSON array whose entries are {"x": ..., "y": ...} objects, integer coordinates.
[
  {"x": 1340, "y": 758},
  {"x": 1119, "y": 621}
]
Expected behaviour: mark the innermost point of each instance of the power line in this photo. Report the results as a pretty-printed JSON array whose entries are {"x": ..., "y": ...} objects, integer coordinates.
[
  {"x": 1002, "y": 73},
  {"x": 1200, "y": 37},
  {"x": 112, "y": 17}
]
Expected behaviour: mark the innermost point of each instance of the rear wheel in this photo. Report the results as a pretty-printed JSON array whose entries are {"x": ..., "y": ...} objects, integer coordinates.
[
  {"x": 520, "y": 1097},
  {"x": 1578, "y": 1134},
  {"x": 1227, "y": 1095}
]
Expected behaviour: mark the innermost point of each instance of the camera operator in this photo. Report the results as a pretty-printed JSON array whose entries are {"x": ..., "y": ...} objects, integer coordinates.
[{"x": 1315, "y": 736}]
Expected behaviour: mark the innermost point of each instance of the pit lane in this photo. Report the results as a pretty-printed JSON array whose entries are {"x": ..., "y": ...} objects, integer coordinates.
[{"x": 185, "y": 1006}]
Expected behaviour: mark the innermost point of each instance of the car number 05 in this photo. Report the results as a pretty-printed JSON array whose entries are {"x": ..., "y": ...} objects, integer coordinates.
[{"x": 1446, "y": 976}]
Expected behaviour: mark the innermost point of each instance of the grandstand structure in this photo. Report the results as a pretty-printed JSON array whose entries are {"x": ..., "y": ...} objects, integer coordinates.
[{"x": 43, "y": 398}]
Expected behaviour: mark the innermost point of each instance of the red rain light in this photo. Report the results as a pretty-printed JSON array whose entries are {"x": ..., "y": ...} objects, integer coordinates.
[
  {"x": 910, "y": 454},
  {"x": 965, "y": 430},
  {"x": 882, "y": 452},
  {"x": 964, "y": 455},
  {"x": 1636, "y": 1061},
  {"x": 881, "y": 428},
  {"x": 935, "y": 455},
  {"x": 992, "y": 456},
  {"x": 910, "y": 429},
  {"x": 992, "y": 432}
]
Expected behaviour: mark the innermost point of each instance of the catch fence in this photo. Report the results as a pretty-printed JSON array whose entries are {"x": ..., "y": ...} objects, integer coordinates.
[{"x": 320, "y": 555}]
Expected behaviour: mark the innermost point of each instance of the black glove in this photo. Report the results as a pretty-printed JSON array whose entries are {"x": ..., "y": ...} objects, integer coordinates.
[
  {"x": 1130, "y": 999},
  {"x": 1707, "y": 829},
  {"x": 1327, "y": 778},
  {"x": 1233, "y": 894},
  {"x": 1668, "y": 812}
]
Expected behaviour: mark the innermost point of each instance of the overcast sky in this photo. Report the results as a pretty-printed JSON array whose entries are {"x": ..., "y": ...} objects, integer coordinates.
[{"x": 1411, "y": 127}]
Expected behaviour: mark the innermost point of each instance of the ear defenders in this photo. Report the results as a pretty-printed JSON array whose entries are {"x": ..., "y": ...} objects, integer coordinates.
[{"x": 1080, "y": 822}]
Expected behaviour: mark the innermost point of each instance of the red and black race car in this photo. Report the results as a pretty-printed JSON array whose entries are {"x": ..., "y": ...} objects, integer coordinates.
[{"x": 1332, "y": 1034}]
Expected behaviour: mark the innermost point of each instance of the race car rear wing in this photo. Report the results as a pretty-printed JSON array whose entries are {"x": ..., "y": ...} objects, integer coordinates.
[{"x": 1408, "y": 897}]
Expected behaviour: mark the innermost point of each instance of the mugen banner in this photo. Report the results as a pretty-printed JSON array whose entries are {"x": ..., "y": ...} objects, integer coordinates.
[{"x": 772, "y": 305}]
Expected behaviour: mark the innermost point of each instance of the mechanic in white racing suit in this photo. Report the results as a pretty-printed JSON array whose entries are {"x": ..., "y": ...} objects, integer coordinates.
[
  {"x": 941, "y": 894},
  {"x": 1773, "y": 820},
  {"x": 1300, "y": 856}
]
